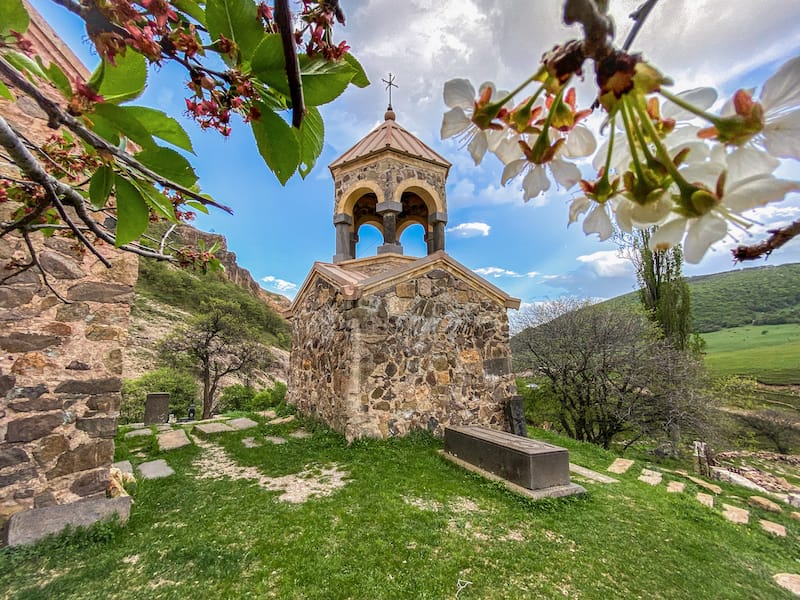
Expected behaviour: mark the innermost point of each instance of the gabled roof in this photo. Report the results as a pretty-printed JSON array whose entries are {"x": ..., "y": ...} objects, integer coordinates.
[
  {"x": 390, "y": 136},
  {"x": 354, "y": 284}
]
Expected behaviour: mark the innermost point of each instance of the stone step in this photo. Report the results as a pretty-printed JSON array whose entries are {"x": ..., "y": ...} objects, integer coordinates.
[
  {"x": 155, "y": 469},
  {"x": 734, "y": 514},
  {"x": 651, "y": 477},
  {"x": 242, "y": 423},
  {"x": 773, "y": 528},
  {"x": 620, "y": 466},
  {"x": 676, "y": 487},
  {"x": 705, "y": 499},
  {"x": 171, "y": 440},
  {"x": 591, "y": 475}
]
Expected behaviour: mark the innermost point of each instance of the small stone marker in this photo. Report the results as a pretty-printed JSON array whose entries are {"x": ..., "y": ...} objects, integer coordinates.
[
  {"x": 620, "y": 466},
  {"x": 676, "y": 487},
  {"x": 795, "y": 516},
  {"x": 281, "y": 421},
  {"x": 28, "y": 526},
  {"x": 651, "y": 477},
  {"x": 155, "y": 469},
  {"x": 124, "y": 465},
  {"x": 705, "y": 499},
  {"x": 515, "y": 416},
  {"x": 788, "y": 581},
  {"x": 138, "y": 433},
  {"x": 300, "y": 434},
  {"x": 275, "y": 439},
  {"x": 243, "y": 423},
  {"x": 764, "y": 503},
  {"x": 172, "y": 440},
  {"x": 209, "y": 428},
  {"x": 705, "y": 485},
  {"x": 735, "y": 514},
  {"x": 250, "y": 443},
  {"x": 267, "y": 414},
  {"x": 773, "y": 528},
  {"x": 156, "y": 408}
]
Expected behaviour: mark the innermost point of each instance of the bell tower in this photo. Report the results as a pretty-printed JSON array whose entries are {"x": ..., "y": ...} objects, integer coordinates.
[{"x": 391, "y": 180}]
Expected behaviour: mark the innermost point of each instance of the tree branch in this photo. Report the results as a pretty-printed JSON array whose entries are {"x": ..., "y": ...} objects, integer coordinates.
[
  {"x": 73, "y": 7},
  {"x": 639, "y": 16},
  {"x": 778, "y": 238},
  {"x": 598, "y": 28},
  {"x": 283, "y": 19}
]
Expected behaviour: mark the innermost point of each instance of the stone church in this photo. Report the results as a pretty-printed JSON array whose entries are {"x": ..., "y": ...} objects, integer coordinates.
[{"x": 389, "y": 343}]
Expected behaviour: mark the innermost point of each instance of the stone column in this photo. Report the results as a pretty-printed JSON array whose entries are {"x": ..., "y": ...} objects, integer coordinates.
[
  {"x": 437, "y": 221},
  {"x": 389, "y": 211},
  {"x": 345, "y": 249}
]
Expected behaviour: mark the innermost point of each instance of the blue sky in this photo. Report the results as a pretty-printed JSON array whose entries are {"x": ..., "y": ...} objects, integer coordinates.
[{"x": 526, "y": 249}]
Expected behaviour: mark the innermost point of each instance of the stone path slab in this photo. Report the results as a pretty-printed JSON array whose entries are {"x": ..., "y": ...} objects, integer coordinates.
[
  {"x": 795, "y": 516},
  {"x": 300, "y": 434},
  {"x": 138, "y": 433},
  {"x": 651, "y": 477},
  {"x": 171, "y": 440},
  {"x": 705, "y": 499},
  {"x": 734, "y": 514},
  {"x": 275, "y": 439},
  {"x": 773, "y": 528},
  {"x": 209, "y": 428},
  {"x": 243, "y": 423},
  {"x": 155, "y": 469},
  {"x": 29, "y": 526},
  {"x": 163, "y": 427},
  {"x": 620, "y": 466},
  {"x": 591, "y": 475},
  {"x": 788, "y": 581},
  {"x": 250, "y": 443},
  {"x": 281, "y": 420},
  {"x": 676, "y": 487},
  {"x": 124, "y": 465},
  {"x": 764, "y": 503},
  {"x": 705, "y": 485},
  {"x": 267, "y": 414}
]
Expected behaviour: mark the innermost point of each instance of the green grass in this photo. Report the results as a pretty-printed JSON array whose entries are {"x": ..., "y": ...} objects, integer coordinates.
[
  {"x": 204, "y": 538},
  {"x": 768, "y": 353}
]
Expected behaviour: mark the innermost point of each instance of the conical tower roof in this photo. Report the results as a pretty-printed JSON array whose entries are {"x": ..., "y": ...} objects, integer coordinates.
[{"x": 389, "y": 136}]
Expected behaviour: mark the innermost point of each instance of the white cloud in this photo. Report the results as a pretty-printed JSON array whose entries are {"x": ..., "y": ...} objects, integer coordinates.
[
  {"x": 280, "y": 285},
  {"x": 496, "y": 272},
  {"x": 531, "y": 273},
  {"x": 607, "y": 263},
  {"x": 468, "y": 230}
]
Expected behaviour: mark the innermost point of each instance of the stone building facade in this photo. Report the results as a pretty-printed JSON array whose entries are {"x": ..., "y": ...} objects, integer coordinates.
[
  {"x": 60, "y": 363},
  {"x": 386, "y": 344}
]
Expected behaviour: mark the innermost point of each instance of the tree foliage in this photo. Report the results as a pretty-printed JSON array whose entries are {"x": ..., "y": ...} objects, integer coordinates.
[{"x": 180, "y": 385}]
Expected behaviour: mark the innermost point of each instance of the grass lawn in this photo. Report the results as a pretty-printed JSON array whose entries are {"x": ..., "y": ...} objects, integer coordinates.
[
  {"x": 768, "y": 353},
  {"x": 408, "y": 524}
]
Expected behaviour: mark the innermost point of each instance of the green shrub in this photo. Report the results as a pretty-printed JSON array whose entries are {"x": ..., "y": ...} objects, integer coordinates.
[
  {"x": 180, "y": 386},
  {"x": 236, "y": 397}
]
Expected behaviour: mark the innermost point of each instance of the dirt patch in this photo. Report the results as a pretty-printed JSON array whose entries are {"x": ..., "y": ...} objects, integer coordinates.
[
  {"x": 423, "y": 504},
  {"x": 313, "y": 481},
  {"x": 464, "y": 505}
]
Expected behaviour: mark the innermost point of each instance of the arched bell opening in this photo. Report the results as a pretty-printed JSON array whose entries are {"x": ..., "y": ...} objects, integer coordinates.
[
  {"x": 413, "y": 238},
  {"x": 366, "y": 238}
]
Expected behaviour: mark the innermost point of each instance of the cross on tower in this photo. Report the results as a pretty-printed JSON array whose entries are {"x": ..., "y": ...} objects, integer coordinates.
[{"x": 389, "y": 85}]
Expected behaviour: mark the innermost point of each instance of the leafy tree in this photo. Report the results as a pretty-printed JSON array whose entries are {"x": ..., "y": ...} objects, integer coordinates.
[
  {"x": 180, "y": 385},
  {"x": 610, "y": 371},
  {"x": 214, "y": 344}
]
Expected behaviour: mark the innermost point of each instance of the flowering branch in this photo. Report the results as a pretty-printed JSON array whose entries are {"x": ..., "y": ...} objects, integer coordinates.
[{"x": 763, "y": 249}]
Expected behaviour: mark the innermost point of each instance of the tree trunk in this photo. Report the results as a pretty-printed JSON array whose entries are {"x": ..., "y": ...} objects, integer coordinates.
[{"x": 206, "y": 394}]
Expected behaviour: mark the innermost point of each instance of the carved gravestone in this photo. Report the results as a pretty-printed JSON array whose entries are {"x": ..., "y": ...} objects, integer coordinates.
[
  {"x": 156, "y": 408},
  {"x": 515, "y": 416}
]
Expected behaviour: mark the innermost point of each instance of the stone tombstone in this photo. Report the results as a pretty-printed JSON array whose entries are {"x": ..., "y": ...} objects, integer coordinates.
[
  {"x": 515, "y": 416},
  {"x": 156, "y": 408}
]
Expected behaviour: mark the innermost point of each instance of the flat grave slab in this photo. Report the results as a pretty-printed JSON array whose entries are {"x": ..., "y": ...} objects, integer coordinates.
[
  {"x": 124, "y": 466},
  {"x": 171, "y": 440},
  {"x": 155, "y": 469},
  {"x": 650, "y": 477},
  {"x": 281, "y": 420},
  {"x": 591, "y": 475},
  {"x": 530, "y": 464},
  {"x": 138, "y": 433},
  {"x": 734, "y": 514},
  {"x": 676, "y": 487},
  {"x": 210, "y": 428},
  {"x": 620, "y": 466},
  {"x": 773, "y": 528},
  {"x": 28, "y": 526},
  {"x": 242, "y": 423}
]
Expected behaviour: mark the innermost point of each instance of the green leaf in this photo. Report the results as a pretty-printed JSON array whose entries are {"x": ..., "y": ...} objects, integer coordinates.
[
  {"x": 162, "y": 126},
  {"x": 5, "y": 92},
  {"x": 23, "y": 64},
  {"x": 100, "y": 186},
  {"x": 13, "y": 16},
  {"x": 121, "y": 120},
  {"x": 133, "y": 216},
  {"x": 237, "y": 20},
  {"x": 360, "y": 79},
  {"x": 198, "y": 206},
  {"x": 158, "y": 201},
  {"x": 168, "y": 163},
  {"x": 191, "y": 8},
  {"x": 269, "y": 63},
  {"x": 122, "y": 82},
  {"x": 323, "y": 81},
  {"x": 56, "y": 76},
  {"x": 312, "y": 138},
  {"x": 277, "y": 143}
]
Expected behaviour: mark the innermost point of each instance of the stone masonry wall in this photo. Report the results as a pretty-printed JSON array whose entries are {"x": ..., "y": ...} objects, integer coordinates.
[{"x": 427, "y": 352}]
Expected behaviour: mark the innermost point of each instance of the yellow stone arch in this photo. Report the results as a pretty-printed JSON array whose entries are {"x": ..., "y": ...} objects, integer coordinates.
[
  {"x": 351, "y": 195},
  {"x": 424, "y": 190}
]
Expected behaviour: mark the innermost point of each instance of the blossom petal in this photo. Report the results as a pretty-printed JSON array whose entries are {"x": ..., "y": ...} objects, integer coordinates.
[
  {"x": 478, "y": 146},
  {"x": 747, "y": 162},
  {"x": 459, "y": 93},
  {"x": 757, "y": 191},
  {"x": 782, "y": 90},
  {"x": 512, "y": 169},
  {"x": 620, "y": 156},
  {"x": 580, "y": 142},
  {"x": 454, "y": 122},
  {"x": 703, "y": 232},
  {"x": 652, "y": 213},
  {"x": 597, "y": 221},
  {"x": 705, "y": 173},
  {"x": 782, "y": 135},
  {"x": 668, "y": 234},
  {"x": 702, "y": 98},
  {"x": 535, "y": 182},
  {"x": 565, "y": 173},
  {"x": 577, "y": 207},
  {"x": 505, "y": 145},
  {"x": 622, "y": 214}
]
